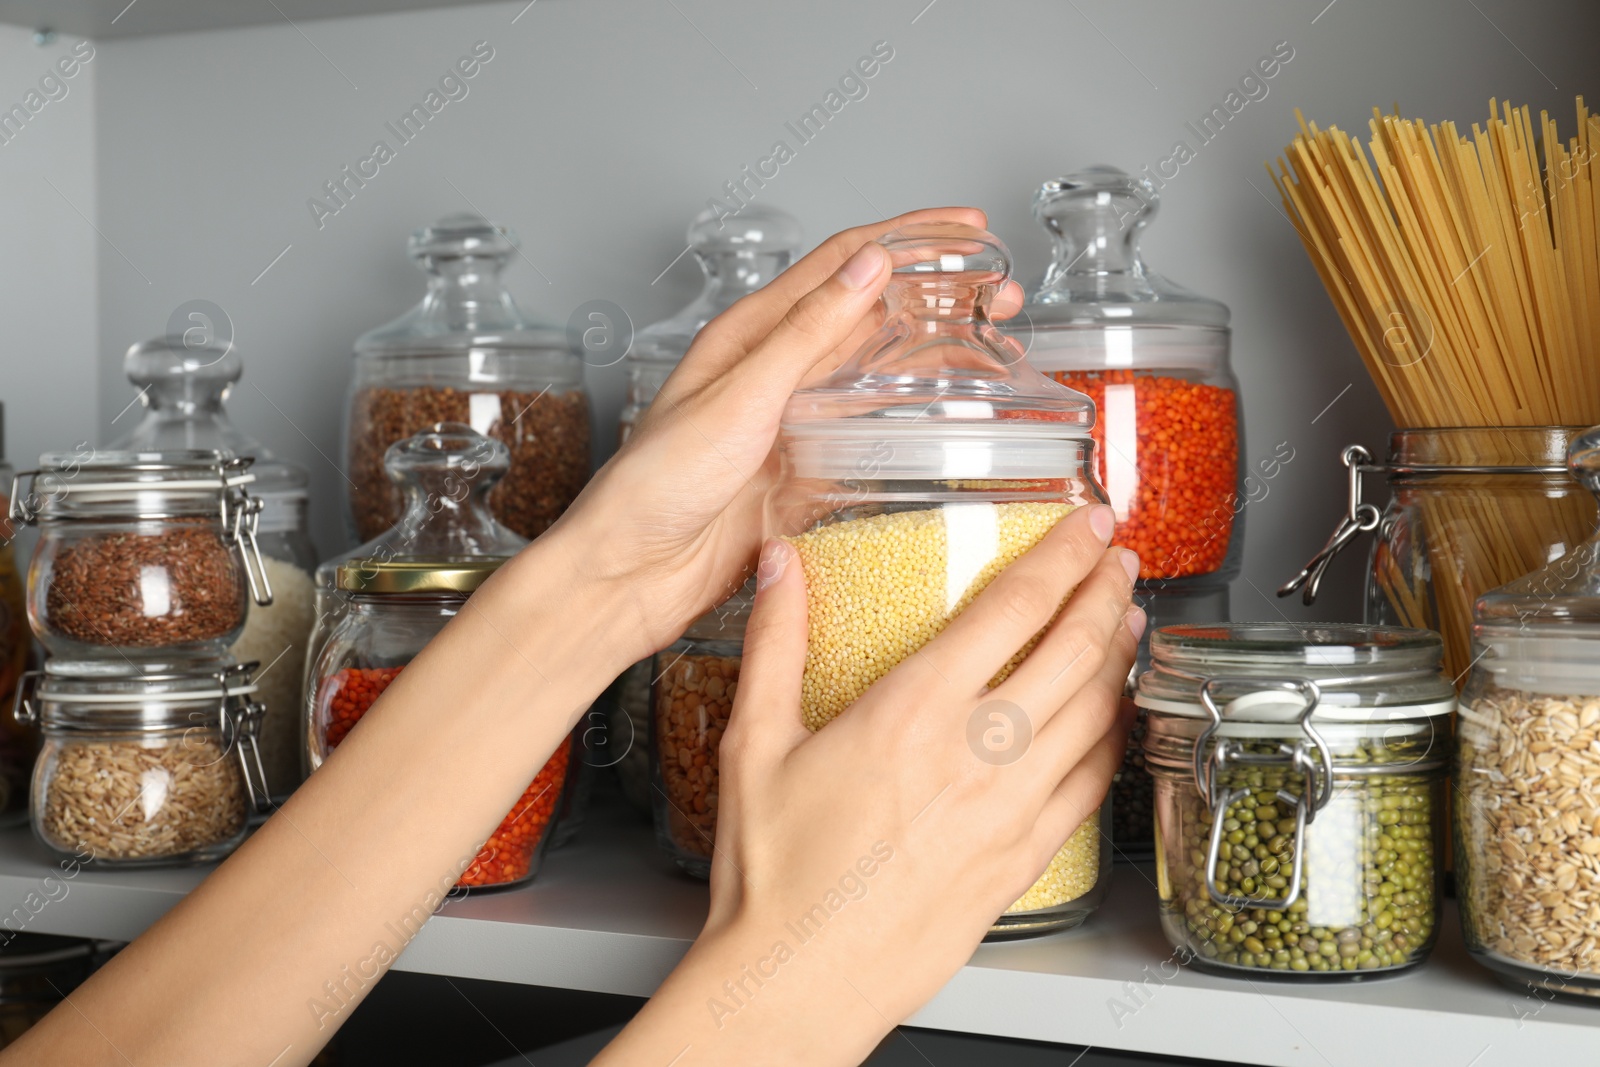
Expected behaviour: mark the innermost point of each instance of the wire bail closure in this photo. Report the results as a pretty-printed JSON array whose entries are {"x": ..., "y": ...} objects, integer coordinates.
[
  {"x": 1359, "y": 518},
  {"x": 1309, "y": 756}
]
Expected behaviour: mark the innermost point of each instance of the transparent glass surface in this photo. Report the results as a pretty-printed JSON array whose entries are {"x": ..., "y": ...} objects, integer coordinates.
[{"x": 468, "y": 354}]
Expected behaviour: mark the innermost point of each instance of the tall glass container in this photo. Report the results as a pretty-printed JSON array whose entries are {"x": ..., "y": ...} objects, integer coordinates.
[
  {"x": 467, "y": 354},
  {"x": 183, "y": 385},
  {"x": 1527, "y": 821},
  {"x": 913, "y": 475}
]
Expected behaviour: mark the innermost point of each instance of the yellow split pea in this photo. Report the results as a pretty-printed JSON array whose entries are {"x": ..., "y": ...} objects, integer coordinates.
[{"x": 881, "y": 587}]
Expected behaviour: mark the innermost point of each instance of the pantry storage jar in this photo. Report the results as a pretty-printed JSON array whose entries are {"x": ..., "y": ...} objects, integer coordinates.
[
  {"x": 695, "y": 681},
  {"x": 913, "y": 475},
  {"x": 737, "y": 254},
  {"x": 183, "y": 382},
  {"x": 1300, "y": 795},
  {"x": 1527, "y": 818},
  {"x": 153, "y": 554},
  {"x": 467, "y": 354},
  {"x": 143, "y": 765}
]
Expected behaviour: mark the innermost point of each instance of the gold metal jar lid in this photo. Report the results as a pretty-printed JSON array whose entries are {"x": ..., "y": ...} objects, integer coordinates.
[{"x": 416, "y": 575}]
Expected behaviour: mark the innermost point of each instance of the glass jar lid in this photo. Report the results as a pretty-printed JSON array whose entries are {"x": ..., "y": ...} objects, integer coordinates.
[
  {"x": 447, "y": 539},
  {"x": 467, "y": 307},
  {"x": 1540, "y": 632},
  {"x": 1270, "y": 673},
  {"x": 137, "y": 484},
  {"x": 938, "y": 392},
  {"x": 94, "y": 695},
  {"x": 183, "y": 385},
  {"x": 738, "y": 255}
]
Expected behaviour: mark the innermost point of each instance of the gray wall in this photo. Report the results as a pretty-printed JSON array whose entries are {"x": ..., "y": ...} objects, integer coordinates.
[{"x": 599, "y": 129}]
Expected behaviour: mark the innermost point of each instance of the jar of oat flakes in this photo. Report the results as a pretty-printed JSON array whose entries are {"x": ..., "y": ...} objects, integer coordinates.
[
  {"x": 468, "y": 354},
  {"x": 153, "y": 554},
  {"x": 695, "y": 681},
  {"x": 1527, "y": 803},
  {"x": 143, "y": 764}
]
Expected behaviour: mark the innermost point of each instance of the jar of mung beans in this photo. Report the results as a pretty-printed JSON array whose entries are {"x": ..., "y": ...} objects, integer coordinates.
[
  {"x": 1527, "y": 819},
  {"x": 912, "y": 476},
  {"x": 694, "y": 682},
  {"x": 153, "y": 554},
  {"x": 1300, "y": 795},
  {"x": 144, "y": 765}
]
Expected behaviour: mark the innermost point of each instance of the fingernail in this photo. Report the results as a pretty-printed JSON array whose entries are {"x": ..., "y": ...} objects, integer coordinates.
[
  {"x": 1103, "y": 521},
  {"x": 1130, "y": 563},
  {"x": 1137, "y": 621},
  {"x": 775, "y": 555},
  {"x": 860, "y": 269}
]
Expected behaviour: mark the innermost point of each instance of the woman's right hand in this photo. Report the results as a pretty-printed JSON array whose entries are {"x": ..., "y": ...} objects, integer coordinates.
[{"x": 857, "y": 868}]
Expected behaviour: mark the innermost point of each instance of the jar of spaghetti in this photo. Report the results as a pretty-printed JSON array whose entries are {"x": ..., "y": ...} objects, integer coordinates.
[
  {"x": 913, "y": 475},
  {"x": 695, "y": 681},
  {"x": 1153, "y": 357}
]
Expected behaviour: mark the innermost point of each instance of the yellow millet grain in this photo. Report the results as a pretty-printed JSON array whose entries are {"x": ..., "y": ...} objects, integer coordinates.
[
  {"x": 878, "y": 588},
  {"x": 1071, "y": 873}
]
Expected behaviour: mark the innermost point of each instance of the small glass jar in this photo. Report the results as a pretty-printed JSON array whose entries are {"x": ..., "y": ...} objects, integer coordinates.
[
  {"x": 914, "y": 474},
  {"x": 153, "y": 554},
  {"x": 738, "y": 255},
  {"x": 1526, "y": 819},
  {"x": 1300, "y": 795},
  {"x": 183, "y": 383},
  {"x": 388, "y": 599},
  {"x": 1153, "y": 356},
  {"x": 1470, "y": 508},
  {"x": 467, "y": 354},
  {"x": 143, "y": 765},
  {"x": 695, "y": 681}
]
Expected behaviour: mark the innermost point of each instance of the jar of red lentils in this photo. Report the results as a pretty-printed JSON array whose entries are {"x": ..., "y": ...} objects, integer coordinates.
[
  {"x": 694, "y": 682},
  {"x": 153, "y": 554},
  {"x": 391, "y": 609},
  {"x": 911, "y": 477}
]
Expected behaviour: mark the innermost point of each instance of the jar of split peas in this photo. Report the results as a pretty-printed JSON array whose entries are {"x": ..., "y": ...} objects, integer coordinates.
[{"x": 910, "y": 478}]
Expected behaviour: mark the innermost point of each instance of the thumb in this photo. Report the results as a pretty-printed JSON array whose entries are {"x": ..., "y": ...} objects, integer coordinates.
[{"x": 767, "y": 710}]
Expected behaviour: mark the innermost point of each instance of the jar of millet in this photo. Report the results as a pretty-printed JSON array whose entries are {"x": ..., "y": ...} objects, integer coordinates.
[
  {"x": 694, "y": 681},
  {"x": 152, "y": 554},
  {"x": 910, "y": 478}
]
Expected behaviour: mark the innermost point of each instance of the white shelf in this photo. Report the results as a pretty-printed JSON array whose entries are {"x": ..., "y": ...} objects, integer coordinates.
[{"x": 608, "y": 914}]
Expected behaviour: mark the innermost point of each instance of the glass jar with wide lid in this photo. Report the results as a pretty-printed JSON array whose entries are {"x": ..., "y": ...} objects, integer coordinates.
[
  {"x": 468, "y": 354},
  {"x": 1154, "y": 358},
  {"x": 913, "y": 475},
  {"x": 738, "y": 254},
  {"x": 1299, "y": 794}
]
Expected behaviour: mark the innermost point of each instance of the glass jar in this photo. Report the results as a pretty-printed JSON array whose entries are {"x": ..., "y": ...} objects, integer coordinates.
[
  {"x": 695, "y": 681},
  {"x": 183, "y": 384},
  {"x": 19, "y": 743},
  {"x": 1300, "y": 795},
  {"x": 1527, "y": 822},
  {"x": 914, "y": 474},
  {"x": 38, "y": 971},
  {"x": 147, "y": 553},
  {"x": 467, "y": 354},
  {"x": 738, "y": 255},
  {"x": 1154, "y": 358},
  {"x": 143, "y": 765},
  {"x": 1470, "y": 508}
]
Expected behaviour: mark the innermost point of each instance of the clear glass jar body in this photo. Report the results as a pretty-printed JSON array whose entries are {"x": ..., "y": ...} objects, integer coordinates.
[
  {"x": 467, "y": 354},
  {"x": 143, "y": 766},
  {"x": 1448, "y": 536},
  {"x": 1263, "y": 866},
  {"x": 695, "y": 681},
  {"x": 377, "y": 636}
]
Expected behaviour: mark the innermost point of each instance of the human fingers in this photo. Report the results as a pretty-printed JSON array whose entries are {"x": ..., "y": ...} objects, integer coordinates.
[
  {"x": 736, "y": 331},
  {"x": 1081, "y": 792},
  {"x": 766, "y": 716},
  {"x": 1062, "y": 738},
  {"x": 1020, "y": 600}
]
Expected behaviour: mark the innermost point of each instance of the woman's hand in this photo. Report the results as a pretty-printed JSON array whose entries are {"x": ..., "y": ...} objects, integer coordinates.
[
  {"x": 674, "y": 521},
  {"x": 856, "y": 869}
]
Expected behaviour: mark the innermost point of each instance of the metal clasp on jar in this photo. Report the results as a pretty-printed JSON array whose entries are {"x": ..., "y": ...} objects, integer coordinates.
[
  {"x": 240, "y": 720},
  {"x": 241, "y": 517},
  {"x": 1358, "y": 518},
  {"x": 1309, "y": 755}
]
